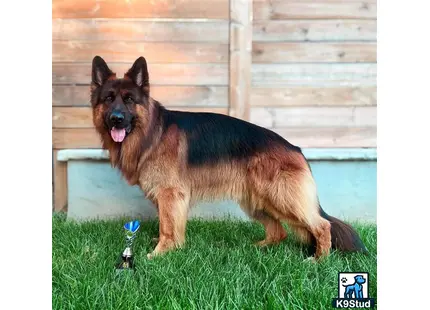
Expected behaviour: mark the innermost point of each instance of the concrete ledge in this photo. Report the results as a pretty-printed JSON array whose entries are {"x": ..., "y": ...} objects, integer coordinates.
[
  {"x": 346, "y": 181},
  {"x": 82, "y": 154},
  {"x": 310, "y": 154}
]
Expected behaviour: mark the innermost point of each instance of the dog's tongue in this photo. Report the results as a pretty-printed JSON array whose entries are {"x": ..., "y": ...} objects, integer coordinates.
[{"x": 117, "y": 134}]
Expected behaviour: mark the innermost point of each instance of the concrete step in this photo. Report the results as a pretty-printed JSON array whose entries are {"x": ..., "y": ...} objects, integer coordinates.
[{"x": 346, "y": 180}]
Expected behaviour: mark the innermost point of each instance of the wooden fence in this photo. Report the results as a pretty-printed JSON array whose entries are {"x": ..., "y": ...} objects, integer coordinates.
[{"x": 305, "y": 69}]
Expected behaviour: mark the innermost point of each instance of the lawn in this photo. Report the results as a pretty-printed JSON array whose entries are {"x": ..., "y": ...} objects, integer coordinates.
[{"x": 219, "y": 268}]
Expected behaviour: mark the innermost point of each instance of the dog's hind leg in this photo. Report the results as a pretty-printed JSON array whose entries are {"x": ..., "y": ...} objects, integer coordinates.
[
  {"x": 320, "y": 229},
  {"x": 301, "y": 206},
  {"x": 347, "y": 293},
  {"x": 173, "y": 211},
  {"x": 288, "y": 185},
  {"x": 301, "y": 213},
  {"x": 255, "y": 207},
  {"x": 305, "y": 237},
  {"x": 275, "y": 232}
]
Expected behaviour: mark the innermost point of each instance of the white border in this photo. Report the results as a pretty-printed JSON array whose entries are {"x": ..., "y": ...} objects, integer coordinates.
[
  {"x": 403, "y": 142},
  {"x": 403, "y": 149},
  {"x": 26, "y": 190}
]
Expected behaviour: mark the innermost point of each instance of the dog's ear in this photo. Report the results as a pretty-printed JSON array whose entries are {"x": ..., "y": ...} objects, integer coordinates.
[
  {"x": 100, "y": 72},
  {"x": 138, "y": 73}
]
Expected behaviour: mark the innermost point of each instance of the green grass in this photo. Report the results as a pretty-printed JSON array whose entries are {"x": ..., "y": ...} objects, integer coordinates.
[{"x": 219, "y": 268}]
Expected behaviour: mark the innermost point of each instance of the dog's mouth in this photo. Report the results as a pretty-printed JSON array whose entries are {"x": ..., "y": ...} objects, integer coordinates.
[{"x": 118, "y": 134}]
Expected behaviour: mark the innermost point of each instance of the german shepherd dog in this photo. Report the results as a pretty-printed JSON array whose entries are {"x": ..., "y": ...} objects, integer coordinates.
[{"x": 180, "y": 158}]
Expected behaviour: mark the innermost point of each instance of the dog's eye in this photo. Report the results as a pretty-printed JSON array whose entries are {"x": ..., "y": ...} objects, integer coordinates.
[
  {"x": 109, "y": 99},
  {"x": 128, "y": 99}
]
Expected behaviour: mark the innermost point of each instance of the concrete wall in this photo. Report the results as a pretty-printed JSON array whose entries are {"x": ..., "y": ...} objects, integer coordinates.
[{"x": 346, "y": 181}]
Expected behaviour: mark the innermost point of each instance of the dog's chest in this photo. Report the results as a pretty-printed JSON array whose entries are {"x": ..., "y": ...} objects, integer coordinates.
[{"x": 157, "y": 174}]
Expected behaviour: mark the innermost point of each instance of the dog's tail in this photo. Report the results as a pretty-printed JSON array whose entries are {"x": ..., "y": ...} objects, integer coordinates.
[{"x": 343, "y": 236}]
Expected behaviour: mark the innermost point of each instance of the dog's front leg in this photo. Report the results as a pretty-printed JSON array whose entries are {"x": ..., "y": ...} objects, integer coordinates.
[
  {"x": 360, "y": 292},
  {"x": 357, "y": 292},
  {"x": 172, "y": 212}
]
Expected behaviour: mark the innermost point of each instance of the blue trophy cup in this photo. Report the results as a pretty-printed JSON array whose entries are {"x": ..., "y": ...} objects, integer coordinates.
[{"x": 126, "y": 261}]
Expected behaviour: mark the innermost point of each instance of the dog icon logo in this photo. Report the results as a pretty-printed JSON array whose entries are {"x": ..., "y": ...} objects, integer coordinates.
[{"x": 353, "y": 291}]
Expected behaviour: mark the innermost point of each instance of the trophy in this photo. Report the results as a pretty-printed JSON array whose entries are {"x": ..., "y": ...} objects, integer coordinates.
[{"x": 126, "y": 261}]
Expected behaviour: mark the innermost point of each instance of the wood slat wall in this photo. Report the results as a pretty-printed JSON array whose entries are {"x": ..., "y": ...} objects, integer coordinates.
[
  {"x": 308, "y": 52},
  {"x": 199, "y": 96},
  {"x": 314, "y": 71},
  {"x": 305, "y": 69},
  {"x": 157, "y": 52},
  {"x": 137, "y": 8},
  {"x": 185, "y": 42},
  {"x": 308, "y": 9},
  {"x": 159, "y": 74},
  {"x": 140, "y": 30}
]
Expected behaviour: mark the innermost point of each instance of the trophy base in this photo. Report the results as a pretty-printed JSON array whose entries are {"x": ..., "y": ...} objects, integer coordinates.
[{"x": 126, "y": 263}]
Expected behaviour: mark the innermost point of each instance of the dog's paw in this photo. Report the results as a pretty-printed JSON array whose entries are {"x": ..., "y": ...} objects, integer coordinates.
[
  {"x": 310, "y": 259},
  {"x": 261, "y": 243},
  {"x": 151, "y": 255}
]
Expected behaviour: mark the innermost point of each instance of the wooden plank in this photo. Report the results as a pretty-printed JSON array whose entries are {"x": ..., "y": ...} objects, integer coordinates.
[
  {"x": 314, "y": 117},
  {"x": 366, "y": 115},
  {"x": 81, "y": 117},
  {"x": 281, "y": 9},
  {"x": 72, "y": 117},
  {"x": 70, "y": 95},
  {"x": 140, "y": 30},
  {"x": 160, "y": 74},
  {"x": 76, "y": 138},
  {"x": 139, "y": 9},
  {"x": 314, "y": 74},
  {"x": 157, "y": 52},
  {"x": 208, "y": 96},
  {"x": 198, "y": 96},
  {"x": 240, "y": 57},
  {"x": 313, "y": 96},
  {"x": 60, "y": 184},
  {"x": 314, "y": 30},
  {"x": 217, "y": 74},
  {"x": 302, "y": 52},
  {"x": 326, "y": 137}
]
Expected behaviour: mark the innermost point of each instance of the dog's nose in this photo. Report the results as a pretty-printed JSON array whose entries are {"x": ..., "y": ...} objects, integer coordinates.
[{"x": 116, "y": 117}]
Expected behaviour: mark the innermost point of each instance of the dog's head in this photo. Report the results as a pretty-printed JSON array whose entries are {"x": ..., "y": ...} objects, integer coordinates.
[
  {"x": 119, "y": 104},
  {"x": 359, "y": 279}
]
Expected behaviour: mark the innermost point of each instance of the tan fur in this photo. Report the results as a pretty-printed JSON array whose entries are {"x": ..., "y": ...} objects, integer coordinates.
[
  {"x": 270, "y": 188},
  {"x": 275, "y": 232},
  {"x": 273, "y": 186}
]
